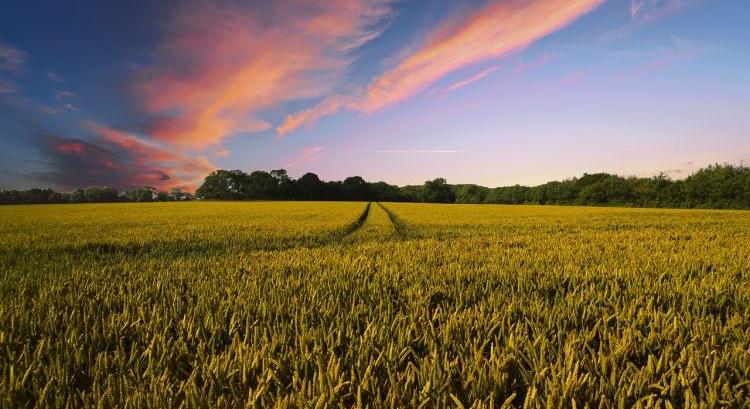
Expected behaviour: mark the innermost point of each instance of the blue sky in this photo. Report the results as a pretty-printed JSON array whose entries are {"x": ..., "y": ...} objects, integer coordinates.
[{"x": 489, "y": 92}]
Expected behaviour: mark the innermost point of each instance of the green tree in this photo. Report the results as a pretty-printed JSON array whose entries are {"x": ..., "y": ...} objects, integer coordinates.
[
  {"x": 471, "y": 194},
  {"x": 437, "y": 191},
  {"x": 224, "y": 184}
]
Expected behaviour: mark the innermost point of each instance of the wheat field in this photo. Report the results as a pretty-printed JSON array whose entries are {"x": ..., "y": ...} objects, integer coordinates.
[{"x": 355, "y": 305}]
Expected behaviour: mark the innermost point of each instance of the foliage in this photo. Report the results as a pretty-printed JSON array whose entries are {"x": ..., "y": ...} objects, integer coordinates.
[
  {"x": 716, "y": 186},
  {"x": 297, "y": 305}
]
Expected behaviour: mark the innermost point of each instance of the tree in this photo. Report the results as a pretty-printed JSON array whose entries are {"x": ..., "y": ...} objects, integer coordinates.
[
  {"x": 178, "y": 194},
  {"x": 437, "y": 191},
  {"x": 95, "y": 194},
  {"x": 224, "y": 184},
  {"x": 261, "y": 185},
  {"x": 471, "y": 194},
  {"x": 309, "y": 187},
  {"x": 383, "y": 192},
  {"x": 141, "y": 194},
  {"x": 355, "y": 188},
  {"x": 284, "y": 184},
  {"x": 716, "y": 186}
]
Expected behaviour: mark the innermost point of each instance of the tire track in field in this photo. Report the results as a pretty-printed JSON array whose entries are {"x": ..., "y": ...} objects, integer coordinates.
[
  {"x": 398, "y": 225},
  {"x": 358, "y": 223},
  {"x": 183, "y": 247}
]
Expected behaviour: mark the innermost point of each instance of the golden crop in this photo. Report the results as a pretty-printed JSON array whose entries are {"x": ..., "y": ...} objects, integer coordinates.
[{"x": 299, "y": 305}]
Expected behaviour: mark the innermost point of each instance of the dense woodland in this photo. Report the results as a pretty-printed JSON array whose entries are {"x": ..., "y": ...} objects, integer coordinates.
[{"x": 716, "y": 186}]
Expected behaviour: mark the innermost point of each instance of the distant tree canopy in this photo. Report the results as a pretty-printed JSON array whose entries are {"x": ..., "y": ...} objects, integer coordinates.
[
  {"x": 277, "y": 185},
  {"x": 716, "y": 186},
  {"x": 93, "y": 194}
]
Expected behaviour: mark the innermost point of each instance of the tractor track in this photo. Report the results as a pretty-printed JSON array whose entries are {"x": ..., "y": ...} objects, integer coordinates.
[
  {"x": 359, "y": 222},
  {"x": 398, "y": 225}
]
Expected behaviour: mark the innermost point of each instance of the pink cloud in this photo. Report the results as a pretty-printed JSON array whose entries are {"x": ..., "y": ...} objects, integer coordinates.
[
  {"x": 148, "y": 162},
  {"x": 220, "y": 66},
  {"x": 221, "y": 152},
  {"x": 70, "y": 147},
  {"x": 307, "y": 156},
  {"x": 495, "y": 30},
  {"x": 307, "y": 117},
  {"x": 474, "y": 78}
]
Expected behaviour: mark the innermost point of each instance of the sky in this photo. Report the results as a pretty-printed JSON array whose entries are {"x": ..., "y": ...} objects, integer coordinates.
[{"x": 493, "y": 92}]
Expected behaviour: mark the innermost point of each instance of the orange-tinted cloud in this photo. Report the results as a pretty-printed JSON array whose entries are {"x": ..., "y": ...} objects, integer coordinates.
[
  {"x": 151, "y": 163},
  {"x": 328, "y": 106},
  {"x": 118, "y": 159},
  {"x": 493, "y": 31},
  {"x": 221, "y": 152},
  {"x": 222, "y": 64}
]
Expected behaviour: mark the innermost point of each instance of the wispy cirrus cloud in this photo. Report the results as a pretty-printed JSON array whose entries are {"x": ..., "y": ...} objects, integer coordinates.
[
  {"x": 11, "y": 58},
  {"x": 54, "y": 77},
  {"x": 222, "y": 64},
  {"x": 675, "y": 52},
  {"x": 645, "y": 12},
  {"x": 64, "y": 98},
  {"x": 653, "y": 9},
  {"x": 495, "y": 30},
  {"x": 329, "y": 106},
  {"x": 420, "y": 151},
  {"x": 308, "y": 155},
  {"x": 219, "y": 65},
  {"x": 474, "y": 78}
]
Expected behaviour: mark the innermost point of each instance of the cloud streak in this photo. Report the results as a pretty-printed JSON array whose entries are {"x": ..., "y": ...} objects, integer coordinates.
[
  {"x": 495, "y": 30},
  {"x": 221, "y": 65},
  {"x": 653, "y": 9},
  {"x": 423, "y": 151},
  {"x": 307, "y": 156},
  {"x": 11, "y": 59},
  {"x": 474, "y": 78}
]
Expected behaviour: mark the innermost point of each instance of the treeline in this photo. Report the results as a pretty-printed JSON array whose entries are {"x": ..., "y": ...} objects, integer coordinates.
[
  {"x": 93, "y": 194},
  {"x": 716, "y": 186}
]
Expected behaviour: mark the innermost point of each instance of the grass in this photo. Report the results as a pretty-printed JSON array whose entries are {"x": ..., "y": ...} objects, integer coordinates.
[{"x": 208, "y": 304}]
